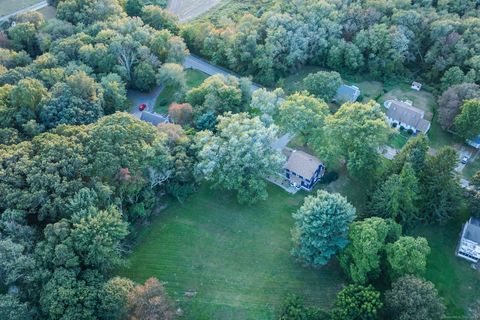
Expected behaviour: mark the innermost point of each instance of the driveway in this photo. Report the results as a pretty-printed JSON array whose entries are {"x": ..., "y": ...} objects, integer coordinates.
[
  {"x": 137, "y": 98},
  {"x": 38, "y": 6},
  {"x": 282, "y": 141}
]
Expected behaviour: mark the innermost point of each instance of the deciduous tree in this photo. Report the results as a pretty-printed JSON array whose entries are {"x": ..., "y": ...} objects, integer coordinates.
[
  {"x": 323, "y": 84},
  {"x": 412, "y": 298},
  {"x": 239, "y": 156},
  {"x": 467, "y": 123},
  {"x": 357, "y": 302},
  {"x": 321, "y": 227},
  {"x": 407, "y": 255}
]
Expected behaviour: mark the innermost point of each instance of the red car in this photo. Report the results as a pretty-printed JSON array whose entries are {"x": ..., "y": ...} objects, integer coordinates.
[{"x": 142, "y": 107}]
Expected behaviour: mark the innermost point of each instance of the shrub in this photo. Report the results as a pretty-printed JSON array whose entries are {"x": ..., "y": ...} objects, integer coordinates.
[
  {"x": 394, "y": 125},
  {"x": 329, "y": 177},
  {"x": 410, "y": 131}
]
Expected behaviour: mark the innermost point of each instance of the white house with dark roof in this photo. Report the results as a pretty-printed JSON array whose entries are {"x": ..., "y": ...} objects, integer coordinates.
[
  {"x": 302, "y": 169},
  {"x": 346, "y": 93},
  {"x": 404, "y": 114},
  {"x": 469, "y": 245}
]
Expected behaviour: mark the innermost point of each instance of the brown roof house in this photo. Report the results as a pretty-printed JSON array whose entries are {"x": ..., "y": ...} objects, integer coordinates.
[
  {"x": 302, "y": 169},
  {"x": 404, "y": 114}
]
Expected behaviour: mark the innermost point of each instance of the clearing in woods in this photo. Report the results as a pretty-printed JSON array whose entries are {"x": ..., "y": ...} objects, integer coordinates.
[
  {"x": 10, "y": 6},
  {"x": 189, "y": 9}
]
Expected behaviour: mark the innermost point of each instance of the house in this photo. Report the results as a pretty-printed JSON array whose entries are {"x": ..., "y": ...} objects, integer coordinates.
[
  {"x": 154, "y": 118},
  {"x": 404, "y": 114},
  {"x": 416, "y": 86},
  {"x": 347, "y": 94},
  {"x": 469, "y": 245},
  {"x": 474, "y": 142},
  {"x": 302, "y": 169}
]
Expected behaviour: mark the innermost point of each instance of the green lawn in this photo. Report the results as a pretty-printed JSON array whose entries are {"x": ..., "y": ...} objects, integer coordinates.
[
  {"x": 167, "y": 96},
  {"x": 397, "y": 140},
  {"x": 237, "y": 258},
  {"x": 455, "y": 280},
  {"x": 10, "y": 6}
]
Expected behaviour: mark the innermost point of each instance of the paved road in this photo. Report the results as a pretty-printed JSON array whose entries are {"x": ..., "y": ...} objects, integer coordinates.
[
  {"x": 34, "y": 7},
  {"x": 195, "y": 62}
]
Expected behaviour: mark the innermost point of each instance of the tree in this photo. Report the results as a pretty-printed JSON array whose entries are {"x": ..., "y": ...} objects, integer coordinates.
[
  {"x": 114, "y": 94},
  {"x": 323, "y": 84},
  {"x": 159, "y": 18},
  {"x": 440, "y": 186},
  {"x": 467, "y": 123},
  {"x": 412, "y": 298},
  {"x": 97, "y": 236},
  {"x": 23, "y": 37},
  {"x": 407, "y": 255},
  {"x": 181, "y": 113},
  {"x": 355, "y": 131},
  {"x": 12, "y": 308},
  {"x": 302, "y": 113},
  {"x": 321, "y": 227},
  {"x": 357, "y": 302},
  {"x": 28, "y": 93},
  {"x": 134, "y": 7},
  {"x": 294, "y": 309},
  {"x": 451, "y": 100},
  {"x": 114, "y": 298},
  {"x": 144, "y": 77},
  {"x": 361, "y": 257},
  {"x": 239, "y": 156},
  {"x": 452, "y": 76},
  {"x": 150, "y": 301},
  {"x": 398, "y": 197},
  {"x": 413, "y": 152},
  {"x": 78, "y": 100},
  {"x": 266, "y": 103},
  {"x": 220, "y": 94},
  {"x": 171, "y": 75}
]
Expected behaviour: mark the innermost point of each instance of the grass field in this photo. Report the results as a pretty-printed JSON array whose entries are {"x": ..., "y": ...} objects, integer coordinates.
[
  {"x": 167, "y": 96},
  {"x": 10, "y": 6},
  {"x": 397, "y": 140},
  {"x": 237, "y": 258}
]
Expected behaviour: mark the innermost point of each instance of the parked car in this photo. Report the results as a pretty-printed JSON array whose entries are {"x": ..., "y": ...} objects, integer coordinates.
[
  {"x": 464, "y": 159},
  {"x": 142, "y": 107}
]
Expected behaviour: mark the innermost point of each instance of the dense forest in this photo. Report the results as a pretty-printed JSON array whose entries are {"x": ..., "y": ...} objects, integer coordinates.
[{"x": 80, "y": 176}]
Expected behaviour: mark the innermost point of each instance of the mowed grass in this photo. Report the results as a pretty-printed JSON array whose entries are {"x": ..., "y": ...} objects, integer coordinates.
[
  {"x": 167, "y": 96},
  {"x": 10, "y": 6},
  {"x": 237, "y": 258},
  {"x": 455, "y": 280}
]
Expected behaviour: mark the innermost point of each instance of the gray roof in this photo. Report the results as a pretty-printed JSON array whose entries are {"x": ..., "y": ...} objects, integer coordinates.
[
  {"x": 472, "y": 230},
  {"x": 347, "y": 93},
  {"x": 153, "y": 118},
  {"x": 405, "y": 113},
  {"x": 302, "y": 163}
]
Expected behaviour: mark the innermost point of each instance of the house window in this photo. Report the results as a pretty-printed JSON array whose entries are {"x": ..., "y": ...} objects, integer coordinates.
[{"x": 301, "y": 177}]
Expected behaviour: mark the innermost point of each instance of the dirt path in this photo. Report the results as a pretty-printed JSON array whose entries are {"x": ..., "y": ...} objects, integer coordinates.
[{"x": 189, "y": 9}]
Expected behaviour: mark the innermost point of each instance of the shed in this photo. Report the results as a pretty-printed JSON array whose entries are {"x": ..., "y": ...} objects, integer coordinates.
[{"x": 417, "y": 86}]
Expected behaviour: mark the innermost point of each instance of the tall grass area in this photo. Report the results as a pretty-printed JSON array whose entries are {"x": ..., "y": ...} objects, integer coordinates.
[
  {"x": 236, "y": 258},
  {"x": 10, "y": 6},
  {"x": 235, "y": 9}
]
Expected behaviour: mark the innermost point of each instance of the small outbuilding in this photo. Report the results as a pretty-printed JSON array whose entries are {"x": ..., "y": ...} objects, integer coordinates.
[
  {"x": 417, "y": 86},
  {"x": 469, "y": 245},
  {"x": 302, "y": 169},
  {"x": 347, "y": 93}
]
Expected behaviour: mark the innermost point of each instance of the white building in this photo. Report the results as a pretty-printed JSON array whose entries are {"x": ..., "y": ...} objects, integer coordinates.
[
  {"x": 469, "y": 246},
  {"x": 404, "y": 114}
]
